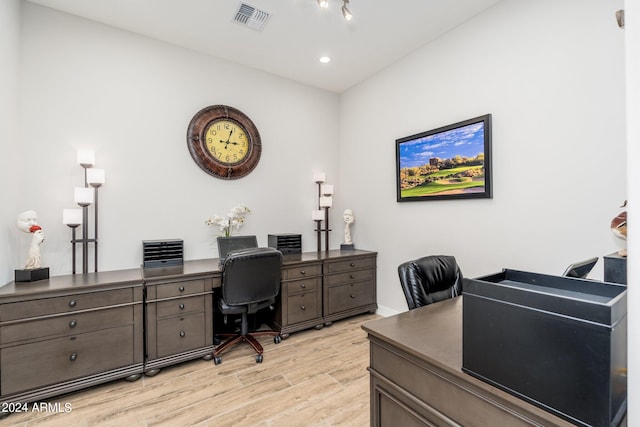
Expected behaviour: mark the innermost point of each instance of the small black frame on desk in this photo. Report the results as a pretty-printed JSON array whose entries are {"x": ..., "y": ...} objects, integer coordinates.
[{"x": 450, "y": 162}]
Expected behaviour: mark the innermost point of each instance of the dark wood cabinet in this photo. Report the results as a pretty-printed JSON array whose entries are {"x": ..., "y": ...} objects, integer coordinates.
[
  {"x": 349, "y": 285},
  {"x": 69, "y": 332},
  {"x": 179, "y": 314},
  {"x": 300, "y": 302},
  {"x": 321, "y": 287}
]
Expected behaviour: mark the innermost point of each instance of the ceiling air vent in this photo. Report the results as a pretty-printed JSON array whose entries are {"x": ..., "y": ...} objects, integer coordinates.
[{"x": 252, "y": 17}]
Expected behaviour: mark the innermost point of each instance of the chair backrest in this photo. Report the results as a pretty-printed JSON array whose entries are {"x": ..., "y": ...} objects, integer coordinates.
[
  {"x": 430, "y": 279},
  {"x": 251, "y": 276},
  {"x": 234, "y": 243},
  {"x": 580, "y": 269}
]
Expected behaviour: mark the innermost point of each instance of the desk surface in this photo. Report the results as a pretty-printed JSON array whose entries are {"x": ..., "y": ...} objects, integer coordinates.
[
  {"x": 212, "y": 265},
  {"x": 194, "y": 268},
  {"x": 433, "y": 336}
]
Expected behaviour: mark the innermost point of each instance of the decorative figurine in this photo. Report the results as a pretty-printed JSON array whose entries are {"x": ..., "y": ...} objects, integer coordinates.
[
  {"x": 348, "y": 220},
  {"x": 619, "y": 227},
  {"x": 27, "y": 222}
]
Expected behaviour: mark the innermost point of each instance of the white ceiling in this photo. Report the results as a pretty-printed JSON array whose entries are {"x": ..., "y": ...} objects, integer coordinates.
[{"x": 296, "y": 35}]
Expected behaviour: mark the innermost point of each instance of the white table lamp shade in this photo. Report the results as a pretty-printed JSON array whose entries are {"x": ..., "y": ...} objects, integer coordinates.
[
  {"x": 72, "y": 216},
  {"x": 86, "y": 157},
  {"x": 95, "y": 176},
  {"x": 83, "y": 196}
]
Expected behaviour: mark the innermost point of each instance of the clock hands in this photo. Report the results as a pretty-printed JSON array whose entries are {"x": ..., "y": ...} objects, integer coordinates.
[{"x": 227, "y": 142}]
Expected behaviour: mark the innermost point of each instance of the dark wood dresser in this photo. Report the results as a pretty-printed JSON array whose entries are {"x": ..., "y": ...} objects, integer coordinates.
[
  {"x": 179, "y": 313},
  {"x": 69, "y": 332},
  {"x": 321, "y": 287}
]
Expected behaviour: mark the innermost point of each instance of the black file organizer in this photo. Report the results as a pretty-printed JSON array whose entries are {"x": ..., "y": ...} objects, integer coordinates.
[{"x": 557, "y": 342}]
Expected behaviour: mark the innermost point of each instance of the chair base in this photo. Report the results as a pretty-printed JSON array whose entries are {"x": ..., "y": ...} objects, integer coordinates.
[{"x": 249, "y": 338}]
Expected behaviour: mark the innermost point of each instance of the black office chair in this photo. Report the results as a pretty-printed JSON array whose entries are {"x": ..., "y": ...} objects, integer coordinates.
[
  {"x": 430, "y": 279},
  {"x": 250, "y": 282}
]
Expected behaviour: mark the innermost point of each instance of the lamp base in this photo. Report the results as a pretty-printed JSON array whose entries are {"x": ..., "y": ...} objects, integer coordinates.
[
  {"x": 347, "y": 247},
  {"x": 31, "y": 274}
]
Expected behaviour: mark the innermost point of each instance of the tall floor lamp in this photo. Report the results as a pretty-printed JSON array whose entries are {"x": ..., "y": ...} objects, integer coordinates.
[
  {"x": 85, "y": 197},
  {"x": 325, "y": 193}
]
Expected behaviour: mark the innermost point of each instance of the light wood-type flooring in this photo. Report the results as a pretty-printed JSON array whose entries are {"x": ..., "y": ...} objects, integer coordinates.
[{"x": 313, "y": 378}]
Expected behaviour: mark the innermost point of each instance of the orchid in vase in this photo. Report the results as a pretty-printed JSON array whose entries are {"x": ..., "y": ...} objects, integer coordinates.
[{"x": 234, "y": 219}]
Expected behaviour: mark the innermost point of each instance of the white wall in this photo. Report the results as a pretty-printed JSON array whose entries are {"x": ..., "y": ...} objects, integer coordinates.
[
  {"x": 552, "y": 75},
  {"x": 632, "y": 33},
  {"x": 9, "y": 158},
  {"x": 131, "y": 98}
]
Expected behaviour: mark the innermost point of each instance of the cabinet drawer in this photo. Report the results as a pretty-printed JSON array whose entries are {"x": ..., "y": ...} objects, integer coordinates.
[
  {"x": 351, "y": 264},
  {"x": 28, "y": 366},
  {"x": 301, "y": 271},
  {"x": 216, "y": 281},
  {"x": 178, "y": 306},
  {"x": 302, "y": 285},
  {"x": 76, "y": 323},
  {"x": 303, "y": 307},
  {"x": 350, "y": 277},
  {"x": 345, "y": 297},
  {"x": 66, "y": 304},
  {"x": 176, "y": 289},
  {"x": 180, "y": 334}
]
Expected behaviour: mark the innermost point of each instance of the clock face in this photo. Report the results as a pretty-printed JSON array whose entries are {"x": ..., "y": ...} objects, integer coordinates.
[
  {"x": 224, "y": 142},
  {"x": 227, "y": 141}
]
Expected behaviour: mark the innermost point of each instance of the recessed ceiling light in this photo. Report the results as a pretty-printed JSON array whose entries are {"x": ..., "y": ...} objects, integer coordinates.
[{"x": 325, "y": 59}]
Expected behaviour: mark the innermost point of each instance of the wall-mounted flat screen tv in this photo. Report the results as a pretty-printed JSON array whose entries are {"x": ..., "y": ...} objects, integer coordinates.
[{"x": 450, "y": 162}]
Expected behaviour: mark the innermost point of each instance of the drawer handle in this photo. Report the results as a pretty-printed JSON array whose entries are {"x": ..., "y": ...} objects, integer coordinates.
[
  {"x": 72, "y": 303},
  {"x": 182, "y": 334},
  {"x": 73, "y": 357},
  {"x": 352, "y": 296},
  {"x": 303, "y": 272},
  {"x": 181, "y": 306},
  {"x": 302, "y": 285},
  {"x": 352, "y": 264},
  {"x": 302, "y": 307},
  {"x": 181, "y": 288},
  {"x": 351, "y": 276},
  {"x": 73, "y": 324}
]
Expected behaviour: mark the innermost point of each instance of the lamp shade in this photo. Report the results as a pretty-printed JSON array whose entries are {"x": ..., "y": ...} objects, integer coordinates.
[
  {"x": 83, "y": 196},
  {"x": 86, "y": 158},
  {"x": 317, "y": 215},
  {"x": 95, "y": 177},
  {"x": 319, "y": 177},
  {"x": 326, "y": 189},
  {"x": 72, "y": 217},
  {"x": 325, "y": 202}
]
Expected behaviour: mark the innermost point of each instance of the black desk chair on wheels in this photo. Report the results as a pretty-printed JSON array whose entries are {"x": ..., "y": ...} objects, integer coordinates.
[
  {"x": 250, "y": 282},
  {"x": 430, "y": 279}
]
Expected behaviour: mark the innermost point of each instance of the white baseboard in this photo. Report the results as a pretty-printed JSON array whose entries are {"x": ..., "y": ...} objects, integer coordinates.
[{"x": 386, "y": 312}]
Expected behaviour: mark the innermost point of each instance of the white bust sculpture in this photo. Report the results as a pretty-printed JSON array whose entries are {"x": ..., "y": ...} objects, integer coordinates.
[
  {"x": 28, "y": 222},
  {"x": 348, "y": 220}
]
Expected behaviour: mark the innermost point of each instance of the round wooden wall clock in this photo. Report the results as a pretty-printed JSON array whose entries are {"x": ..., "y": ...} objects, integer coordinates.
[{"x": 224, "y": 142}]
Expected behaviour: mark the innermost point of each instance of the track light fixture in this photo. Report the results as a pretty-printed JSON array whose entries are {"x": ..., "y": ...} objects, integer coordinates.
[{"x": 345, "y": 10}]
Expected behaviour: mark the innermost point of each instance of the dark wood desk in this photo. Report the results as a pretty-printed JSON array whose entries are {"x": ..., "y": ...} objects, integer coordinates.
[
  {"x": 417, "y": 379},
  {"x": 70, "y": 332}
]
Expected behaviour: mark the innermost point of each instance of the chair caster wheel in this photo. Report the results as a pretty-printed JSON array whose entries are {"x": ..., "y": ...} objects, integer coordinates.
[
  {"x": 259, "y": 358},
  {"x": 277, "y": 339},
  {"x": 217, "y": 360}
]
